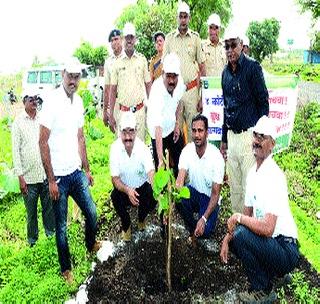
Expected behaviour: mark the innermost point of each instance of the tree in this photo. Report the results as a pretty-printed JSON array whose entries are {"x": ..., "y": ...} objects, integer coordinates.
[
  {"x": 263, "y": 38},
  {"x": 87, "y": 54},
  {"x": 200, "y": 10},
  {"x": 310, "y": 5},
  {"x": 148, "y": 19}
]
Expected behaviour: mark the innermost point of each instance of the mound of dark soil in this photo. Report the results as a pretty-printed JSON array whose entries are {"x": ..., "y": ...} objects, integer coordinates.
[{"x": 137, "y": 274}]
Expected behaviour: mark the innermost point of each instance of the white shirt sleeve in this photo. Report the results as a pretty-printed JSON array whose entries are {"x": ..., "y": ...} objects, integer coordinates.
[
  {"x": 81, "y": 113},
  {"x": 46, "y": 115},
  {"x": 154, "y": 107},
  {"x": 148, "y": 162},
  {"x": 218, "y": 173},
  {"x": 113, "y": 160},
  {"x": 183, "y": 160}
]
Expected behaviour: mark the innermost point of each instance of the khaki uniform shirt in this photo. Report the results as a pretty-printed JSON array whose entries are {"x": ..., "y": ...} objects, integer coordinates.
[
  {"x": 188, "y": 48},
  {"x": 155, "y": 67},
  {"x": 130, "y": 76},
  {"x": 215, "y": 58},
  {"x": 25, "y": 149},
  {"x": 108, "y": 68}
]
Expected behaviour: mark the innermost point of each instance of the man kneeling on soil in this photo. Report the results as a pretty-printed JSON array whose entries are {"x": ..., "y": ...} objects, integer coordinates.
[
  {"x": 264, "y": 237},
  {"x": 132, "y": 171},
  {"x": 204, "y": 165}
]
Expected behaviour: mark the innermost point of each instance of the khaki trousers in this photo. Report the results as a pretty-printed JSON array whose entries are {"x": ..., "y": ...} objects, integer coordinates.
[{"x": 240, "y": 160}]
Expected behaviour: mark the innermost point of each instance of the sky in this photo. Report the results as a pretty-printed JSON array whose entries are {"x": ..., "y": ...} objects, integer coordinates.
[{"x": 56, "y": 28}]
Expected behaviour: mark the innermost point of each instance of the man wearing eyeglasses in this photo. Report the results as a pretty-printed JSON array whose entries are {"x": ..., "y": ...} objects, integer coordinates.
[
  {"x": 29, "y": 168},
  {"x": 264, "y": 235},
  {"x": 213, "y": 48},
  {"x": 132, "y": 171},
  {"x": 245, "y": 101},
  {"x": 64, "y": 155}
]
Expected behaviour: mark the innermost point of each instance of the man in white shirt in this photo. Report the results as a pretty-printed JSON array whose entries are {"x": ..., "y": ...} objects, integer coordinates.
[
  {"x": 29, "y": 168},
  {"x": 204, "y": 165},
  {"x": 132, "y": 171},
  {"x": 164, "y": 111},
  {"x": 63, "y": 153},
  {"x": 264, "y": 236}
]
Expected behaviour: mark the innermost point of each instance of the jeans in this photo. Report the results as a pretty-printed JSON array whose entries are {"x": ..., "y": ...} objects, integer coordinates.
[
  {"x": 174, "y": 150},
  {"x": 121, "y": 203},
  {"x": 76, "y": 185},
  {"x": 198, "y": 203},
  {"x": 31, "y": 203},
  {"x": 263, "y": 258}
]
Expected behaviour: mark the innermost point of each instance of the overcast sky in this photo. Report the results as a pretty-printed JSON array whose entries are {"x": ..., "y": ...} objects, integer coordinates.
[{"x": 56, "y": 28}]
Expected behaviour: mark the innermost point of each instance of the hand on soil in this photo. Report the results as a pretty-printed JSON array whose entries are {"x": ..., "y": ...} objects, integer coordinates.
[{"x": 199, "y": 228}]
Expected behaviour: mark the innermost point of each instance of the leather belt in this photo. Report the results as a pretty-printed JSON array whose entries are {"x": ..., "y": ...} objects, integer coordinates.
[
  {"x": 133, "y": 109},
  {"x": 190, "y": 85}
]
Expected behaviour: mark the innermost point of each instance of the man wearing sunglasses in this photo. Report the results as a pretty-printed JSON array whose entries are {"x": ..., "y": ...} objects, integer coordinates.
[
  {"x": 245, "y": 101},
  {"x": 132, "y": 170},
  {"x": 213, "y": 48},
  {"x": 29, "y": 169},
  {"x": 264, "y": 236}
]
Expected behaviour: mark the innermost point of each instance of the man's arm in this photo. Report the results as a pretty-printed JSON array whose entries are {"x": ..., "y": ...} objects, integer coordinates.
[
  {"x": 131, "y": 192},
  {"x": 46, "y": 161},
  {"x": 260, "y": 90},
  {"x": 159, "y": 145},
  {"x": 83, "y": 155},
  {"x": 202, "y": 69},
  {"x": 181, "y": 178},
  {"x": 215, "y": 195},
  {"x": 112, "y": 102},
  {"x": 106, "y": 110},
  {"x": 150, "y": 177},
  {"x": 176, "y": 131}
]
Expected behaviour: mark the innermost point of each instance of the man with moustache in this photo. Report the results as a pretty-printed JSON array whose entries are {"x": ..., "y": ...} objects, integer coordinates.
[
  {"x": 132, "y": 171},
  {"x": 204, "y": 165},
  {"x": 29, "y": 169},
  {"x": 264, "y": 235},
  {"x": 155, "y": 66},
  {"x": 115, "y": 41},
  {"x": 164, "y": 109},
  {"x": 63, "y": 152},
  {"x": 131, "y": 83},
  {"x": 187, "y": 45},
  {"x": 246, "y": 99},
  {"x": 213, "y": 48}
]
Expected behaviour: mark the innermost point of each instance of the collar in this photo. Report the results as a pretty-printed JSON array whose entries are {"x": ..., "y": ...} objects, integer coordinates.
[
  {"x": 208, "y": 42},
  {"x": 124, "y": 55},
  {"x": 26, "y": 115},
  {"x": 264, "y": 164},
  {"x": 204, "y": 156},
  {"x": 177, "y": 33}
]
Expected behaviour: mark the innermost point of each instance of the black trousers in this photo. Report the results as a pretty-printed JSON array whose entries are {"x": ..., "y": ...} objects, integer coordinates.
[
  {"x": 174, "y": 151},
  {"x": 122, "y": 203}
]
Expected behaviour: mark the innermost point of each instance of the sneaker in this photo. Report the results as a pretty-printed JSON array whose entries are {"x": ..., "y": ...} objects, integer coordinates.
[
  {"x": 96, "y": 246},
  {"x": 257, "y": 296},
  {"x": 126, "y": 235},
  {"x": 142, "y": 225},
  {"x": 68, "y": 276}
]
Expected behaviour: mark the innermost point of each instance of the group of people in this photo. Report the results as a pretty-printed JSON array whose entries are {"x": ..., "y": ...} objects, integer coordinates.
[{"x": 51, "y": 161}]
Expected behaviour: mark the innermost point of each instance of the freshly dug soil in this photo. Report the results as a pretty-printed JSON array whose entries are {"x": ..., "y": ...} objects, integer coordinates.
[{"x": 136, "y": 273}]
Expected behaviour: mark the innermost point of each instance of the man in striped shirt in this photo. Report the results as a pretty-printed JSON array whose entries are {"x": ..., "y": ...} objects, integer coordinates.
[
  {"x": 132, "y": 170},
  {"x": 29, "y": 169}
]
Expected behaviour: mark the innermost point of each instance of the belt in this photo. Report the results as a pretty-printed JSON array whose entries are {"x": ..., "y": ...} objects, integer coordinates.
[
  {"x": 287, "y": 239},
  {"x": 133, "y": 109},
  {"x": 190, "y": 85},
  {"x": 239, "y": 131}
]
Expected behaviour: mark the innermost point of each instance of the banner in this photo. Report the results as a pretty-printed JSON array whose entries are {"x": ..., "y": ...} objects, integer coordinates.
[{"x": 282, "y": 107}]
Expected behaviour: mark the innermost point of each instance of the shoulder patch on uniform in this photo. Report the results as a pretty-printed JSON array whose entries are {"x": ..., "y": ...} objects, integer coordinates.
[{"x": 194, "y": 33}]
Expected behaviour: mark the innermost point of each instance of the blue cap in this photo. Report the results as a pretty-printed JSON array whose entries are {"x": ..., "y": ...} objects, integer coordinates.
[{"x": 114, "y": 33}]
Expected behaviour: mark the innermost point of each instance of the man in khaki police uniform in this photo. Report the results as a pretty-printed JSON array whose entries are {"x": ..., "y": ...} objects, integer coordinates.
[
  {"x": 116, "y": 46},
  {"x": 187, "y": 45},
  {"x": 213, "y": 48},
  {"x": 130, "y": 82}
]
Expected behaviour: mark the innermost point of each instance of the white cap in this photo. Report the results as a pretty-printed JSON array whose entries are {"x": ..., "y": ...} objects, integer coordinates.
[
  {"x": 265, "y": 126},
  {"x": 183, "y": 8},
  {"x": 214, "y": 19},
  {"x": 73, "y": 65},
  {"x": 128, "y": 120},
  {"x": 171, "y": 64},
  {"x": 245, "y": 41},
  {"x": 129, "y": 29},
  {"x": 231, "y": 34}
]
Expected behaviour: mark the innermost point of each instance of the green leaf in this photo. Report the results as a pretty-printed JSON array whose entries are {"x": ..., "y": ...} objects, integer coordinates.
[
  {"x": 163, "y": 200},
  {"x": 161, "y": 179},
  {"x": 184, "y": 192}
]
